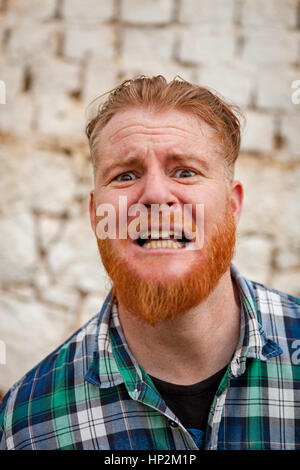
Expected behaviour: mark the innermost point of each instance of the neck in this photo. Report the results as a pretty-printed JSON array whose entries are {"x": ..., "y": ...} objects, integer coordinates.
[{"x": 197, "y": 344}]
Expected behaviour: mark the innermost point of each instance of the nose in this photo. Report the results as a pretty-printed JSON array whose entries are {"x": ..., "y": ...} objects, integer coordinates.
[{"x": 157, "y": 190}]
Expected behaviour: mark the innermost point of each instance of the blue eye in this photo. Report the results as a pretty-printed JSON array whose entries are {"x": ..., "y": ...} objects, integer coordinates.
[
  {"x": 184, "y": 173},
  {"x": 129, "y": 176}
]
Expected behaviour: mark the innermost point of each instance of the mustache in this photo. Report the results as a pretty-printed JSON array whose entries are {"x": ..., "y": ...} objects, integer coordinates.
[{"x": 140, "y": 222}]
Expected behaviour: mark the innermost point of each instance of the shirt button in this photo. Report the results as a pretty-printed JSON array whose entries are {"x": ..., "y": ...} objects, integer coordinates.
[{"x": 173, "y": 424}]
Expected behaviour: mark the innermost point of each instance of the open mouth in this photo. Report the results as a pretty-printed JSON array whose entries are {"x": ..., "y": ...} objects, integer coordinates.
[{"x": 154, "y": 240}]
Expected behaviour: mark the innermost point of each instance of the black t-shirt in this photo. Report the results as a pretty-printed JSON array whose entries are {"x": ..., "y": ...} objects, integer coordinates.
[{"x": 190, "y": 403}]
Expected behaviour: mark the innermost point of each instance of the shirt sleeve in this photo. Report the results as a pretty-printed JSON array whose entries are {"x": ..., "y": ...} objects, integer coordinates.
[
  {"x": 2, "y": 440},
  {"x": 3, "y": 445}
]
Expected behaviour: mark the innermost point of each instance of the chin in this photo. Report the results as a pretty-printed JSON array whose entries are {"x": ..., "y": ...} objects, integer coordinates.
[{"x": 162, "y": 267}]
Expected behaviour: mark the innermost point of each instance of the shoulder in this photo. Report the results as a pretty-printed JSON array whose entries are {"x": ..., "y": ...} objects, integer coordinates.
[
  {"x": 275, "y": 302},
  {"x": 61, "y": 368},
  {"x": 279, "y": 315}
]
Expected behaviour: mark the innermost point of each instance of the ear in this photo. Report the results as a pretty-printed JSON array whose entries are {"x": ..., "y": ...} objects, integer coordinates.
[
  {"x": 92, "y": 211},
  {"x": 236, "y": 199}
]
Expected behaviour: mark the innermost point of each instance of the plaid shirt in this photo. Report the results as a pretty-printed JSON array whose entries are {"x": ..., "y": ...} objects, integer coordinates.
[{"x": 90, "y": 393}]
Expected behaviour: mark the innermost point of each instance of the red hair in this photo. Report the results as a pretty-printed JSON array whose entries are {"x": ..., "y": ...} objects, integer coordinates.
[{"x": 178, "y": 94}]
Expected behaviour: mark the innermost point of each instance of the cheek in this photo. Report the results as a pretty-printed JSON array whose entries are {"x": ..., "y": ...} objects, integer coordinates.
[
  {"x": 114, "y": 196},
  {"x": 208, "y": 204},
  {"x": 118, "y": 203}
]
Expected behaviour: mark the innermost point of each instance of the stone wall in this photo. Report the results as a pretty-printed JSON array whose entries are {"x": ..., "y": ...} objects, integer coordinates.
[{"x": 56, "y": 56}]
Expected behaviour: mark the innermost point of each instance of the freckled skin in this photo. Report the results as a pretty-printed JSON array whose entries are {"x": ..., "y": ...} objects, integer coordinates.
[{"x": 170, "y": 158}]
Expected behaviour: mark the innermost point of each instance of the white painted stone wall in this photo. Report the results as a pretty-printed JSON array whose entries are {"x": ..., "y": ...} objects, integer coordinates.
[{"x": 56, "y": 56}]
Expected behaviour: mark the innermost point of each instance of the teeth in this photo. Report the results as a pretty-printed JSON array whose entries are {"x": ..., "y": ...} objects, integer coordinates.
[
  {"x": 162, "y": 244},
  {"x": 156, "y": 234}
]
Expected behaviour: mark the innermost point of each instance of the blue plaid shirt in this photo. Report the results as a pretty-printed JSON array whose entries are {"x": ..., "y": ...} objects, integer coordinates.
[{"x": 90, "y": 393}]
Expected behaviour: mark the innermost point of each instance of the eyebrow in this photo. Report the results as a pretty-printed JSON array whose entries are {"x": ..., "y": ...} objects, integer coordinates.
[
  {"x": 138, "y": 162},
  {"x": 184, "y": 158},
  {"x": 125, "y": 163}
]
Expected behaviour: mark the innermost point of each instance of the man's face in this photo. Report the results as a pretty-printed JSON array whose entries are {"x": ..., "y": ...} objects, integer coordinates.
[{"x": 166, "y": 158}]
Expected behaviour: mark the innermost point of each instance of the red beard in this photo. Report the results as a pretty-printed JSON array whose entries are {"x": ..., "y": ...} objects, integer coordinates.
[{"x": 161, "y": 299}]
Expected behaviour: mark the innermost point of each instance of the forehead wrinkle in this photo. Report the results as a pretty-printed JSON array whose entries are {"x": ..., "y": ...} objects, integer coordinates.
[
  {"x": 120, "y": 136},
  {"x": 135, "y": 158},
  {"x": 136, "y": 129}
]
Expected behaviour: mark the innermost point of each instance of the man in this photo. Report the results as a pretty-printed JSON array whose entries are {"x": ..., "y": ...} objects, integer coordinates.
[{"x": 186, "y": 353}]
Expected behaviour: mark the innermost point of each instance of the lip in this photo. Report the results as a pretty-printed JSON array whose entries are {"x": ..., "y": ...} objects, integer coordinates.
[{"x": 191, "y": 246}]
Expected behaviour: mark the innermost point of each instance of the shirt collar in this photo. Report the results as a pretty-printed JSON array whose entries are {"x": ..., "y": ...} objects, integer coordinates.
[
  {"x": 113, "y": 364},
  {"x": 253, "y": 341}
]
